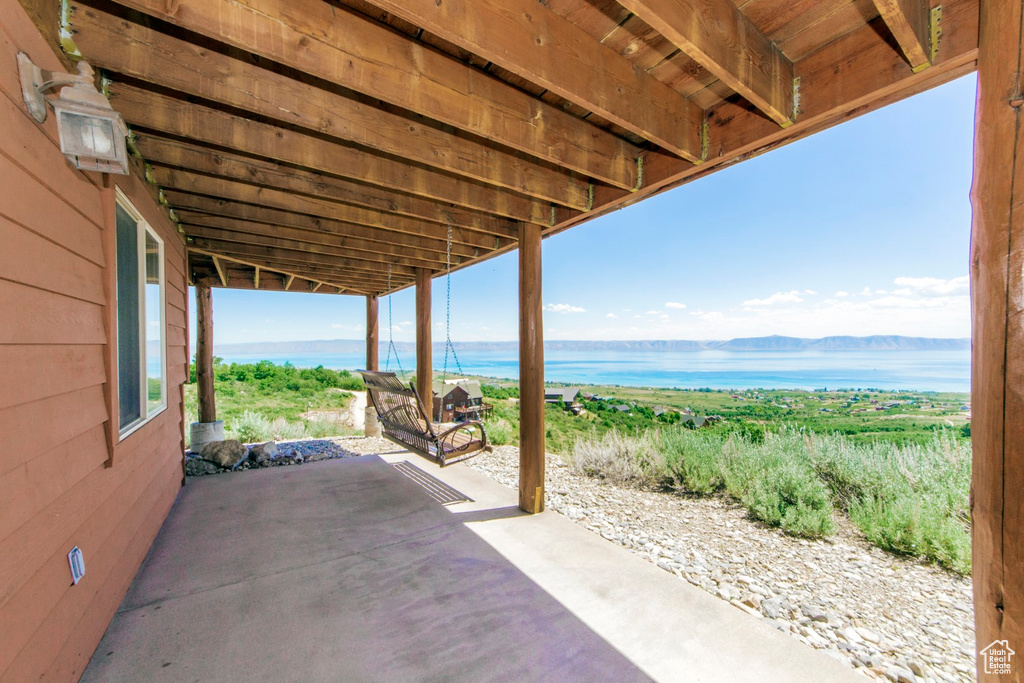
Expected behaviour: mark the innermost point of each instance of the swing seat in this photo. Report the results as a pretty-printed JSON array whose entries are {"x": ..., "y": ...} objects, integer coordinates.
[{"x": 405, "y": 422}]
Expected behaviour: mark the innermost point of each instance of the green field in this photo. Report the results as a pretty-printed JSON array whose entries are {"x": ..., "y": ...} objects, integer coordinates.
[{"x": 263, "y": 401}]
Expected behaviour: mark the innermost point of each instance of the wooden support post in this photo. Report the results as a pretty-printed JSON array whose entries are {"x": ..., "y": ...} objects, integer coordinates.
[
  {"x": 424, "y": 356},
  {"x": 531, "y": 372},
  {"x": 204, "y": 353},
  {"x": 370, "y": 425},
  {"x": 997, "y": 369}
]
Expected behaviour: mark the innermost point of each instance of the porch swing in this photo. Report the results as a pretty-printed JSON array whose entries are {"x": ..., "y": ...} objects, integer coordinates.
[{"x": 401, "y": 411}]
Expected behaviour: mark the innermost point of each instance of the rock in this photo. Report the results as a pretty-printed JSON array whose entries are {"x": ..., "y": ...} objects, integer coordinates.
[
  {"x": 867, "y": 634},
  {"x": 772, "y": 608},
  {"x": 224, "y": 453},
  {"x": 838, "y": 657},
  {"x": 899, "y": 674},
  {"x": 916, "y": 668},
  {"x": 263, "y": 452},
  {"x": 195, "y": 467},
  {"x": 851, "y": 635},
  {"x": 751, "y": 600}
]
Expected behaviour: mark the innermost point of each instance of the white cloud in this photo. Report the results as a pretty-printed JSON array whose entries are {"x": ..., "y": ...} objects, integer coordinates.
[
  {"x": 933, "y": 285},
  {"x": 866, "y": 291},
  {"x": 841, "y": 293},
  {"x": 792, "y": 297},
  {"x": 653, "y": 312},
  {"x": 563, "y": 308},
  {"x": 675, "y": 304},
  {"x": 611, "y": 315}
]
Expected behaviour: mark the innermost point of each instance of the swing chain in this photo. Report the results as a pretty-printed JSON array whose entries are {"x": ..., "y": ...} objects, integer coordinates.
[
  {"x": 448, "y": 309},
  {"x": 391, "y": 335}
]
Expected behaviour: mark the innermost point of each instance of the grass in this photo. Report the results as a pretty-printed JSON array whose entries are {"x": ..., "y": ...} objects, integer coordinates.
[
  {"x": 263, "y": 401},
  {"x": 910, "y": 499}
]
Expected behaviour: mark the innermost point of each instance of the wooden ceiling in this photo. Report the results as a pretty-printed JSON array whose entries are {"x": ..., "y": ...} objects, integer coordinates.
[{"x": 335, "y": 145}]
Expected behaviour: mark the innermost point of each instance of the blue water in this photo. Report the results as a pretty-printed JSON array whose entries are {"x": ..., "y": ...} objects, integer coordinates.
[{"x": 919, "y": 370}]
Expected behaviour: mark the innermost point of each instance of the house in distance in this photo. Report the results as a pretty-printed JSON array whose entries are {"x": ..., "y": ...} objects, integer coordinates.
[{"x": 456, "y": 400}]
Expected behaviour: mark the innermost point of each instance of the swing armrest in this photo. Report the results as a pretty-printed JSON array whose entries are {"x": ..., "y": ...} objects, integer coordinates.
[{"x": 447, "y": 437}]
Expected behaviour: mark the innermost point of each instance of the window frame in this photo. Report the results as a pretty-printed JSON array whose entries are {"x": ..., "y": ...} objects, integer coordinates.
[{"x": 143, "y": 228}]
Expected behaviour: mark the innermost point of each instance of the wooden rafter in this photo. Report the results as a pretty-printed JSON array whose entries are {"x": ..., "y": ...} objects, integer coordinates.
[
  {"x": 127, "y": 48},
  {"x": 243, "y": 233},
  {"x": 324, "y": 41},
  {"x": 289, "y": 279},
  {"x": 220, "y": 272},
  {"x": 531, "y": 41},
  {"x": 910, "y": 23},
  {"x": 295, "y": 252},
  {"x": 263, "y": 196},
  {"x": 256, "y": 278},
  {"x": 159, "y": 112},
  {"x": 205, "y": 211},
  {"x": 239, "y": 261},
  {"x": 719, "y": 37},
  {"x": 209, "y": 161}
]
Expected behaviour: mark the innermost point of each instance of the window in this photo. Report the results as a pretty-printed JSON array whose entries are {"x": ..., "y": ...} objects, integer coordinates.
[{"x": 141, "y": 357}]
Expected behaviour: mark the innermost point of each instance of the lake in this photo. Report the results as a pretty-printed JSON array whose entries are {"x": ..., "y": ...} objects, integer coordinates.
[{"x": 920, "y": 370}]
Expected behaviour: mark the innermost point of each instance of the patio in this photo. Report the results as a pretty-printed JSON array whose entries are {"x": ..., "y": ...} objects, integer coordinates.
[{"x": 348, "y": 570}]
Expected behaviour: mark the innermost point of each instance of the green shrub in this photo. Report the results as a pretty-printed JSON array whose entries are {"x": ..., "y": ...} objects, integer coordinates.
[
  {"x": 693, "y": 459},
  {"x": 251, "y": 427},
  {"x": 283, "y": 430},
  {"x": 620, "y": 458},
  {"x": 499, "y": 432}
]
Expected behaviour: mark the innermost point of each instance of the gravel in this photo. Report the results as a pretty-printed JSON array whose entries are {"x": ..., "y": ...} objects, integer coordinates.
[{"x": 889, "y": 617}]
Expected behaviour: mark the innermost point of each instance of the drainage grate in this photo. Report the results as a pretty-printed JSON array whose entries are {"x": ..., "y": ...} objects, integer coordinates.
[{"x": 435, "y": 488}]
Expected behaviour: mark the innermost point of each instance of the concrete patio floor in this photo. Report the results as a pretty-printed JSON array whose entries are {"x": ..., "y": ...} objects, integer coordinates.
[{"x": 346, "y": 570}]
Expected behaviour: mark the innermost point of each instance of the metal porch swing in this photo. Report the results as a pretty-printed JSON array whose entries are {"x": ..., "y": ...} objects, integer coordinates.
[{"x": 401, "y": 411}]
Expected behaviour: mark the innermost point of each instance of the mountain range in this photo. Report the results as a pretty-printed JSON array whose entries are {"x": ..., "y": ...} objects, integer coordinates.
[{"x": 772, "y": 343}]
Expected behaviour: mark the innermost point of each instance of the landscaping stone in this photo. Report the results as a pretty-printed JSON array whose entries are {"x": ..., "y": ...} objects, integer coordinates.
[
  {"x": 224, "y": 453},
  {"x": 197, "y": 467},
  {"x": 263, "y": 452}
]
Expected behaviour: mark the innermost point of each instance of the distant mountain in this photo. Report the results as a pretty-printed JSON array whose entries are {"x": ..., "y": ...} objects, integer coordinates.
[{"x": 772, "y": 343}]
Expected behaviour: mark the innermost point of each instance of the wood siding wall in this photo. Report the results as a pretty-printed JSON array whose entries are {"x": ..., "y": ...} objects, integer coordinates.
[{"x": 64, "y": 481}]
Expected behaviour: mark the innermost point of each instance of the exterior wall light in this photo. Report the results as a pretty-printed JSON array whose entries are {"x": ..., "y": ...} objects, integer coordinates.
[{"x": 92, "y": 135}]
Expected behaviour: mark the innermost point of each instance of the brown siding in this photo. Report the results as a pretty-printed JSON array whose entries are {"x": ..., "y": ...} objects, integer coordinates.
[{"x": 60, "y": 485}]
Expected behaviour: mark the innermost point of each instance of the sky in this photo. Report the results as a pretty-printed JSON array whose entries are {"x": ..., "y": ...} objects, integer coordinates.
[{"x": 860, "y": 229}]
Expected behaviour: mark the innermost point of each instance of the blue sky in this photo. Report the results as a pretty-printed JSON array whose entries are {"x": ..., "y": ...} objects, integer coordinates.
[{"x": 861, "y": 229}]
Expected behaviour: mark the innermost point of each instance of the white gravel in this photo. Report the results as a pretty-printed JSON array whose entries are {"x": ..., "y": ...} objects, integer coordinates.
[{"x": 889, "y": 617}]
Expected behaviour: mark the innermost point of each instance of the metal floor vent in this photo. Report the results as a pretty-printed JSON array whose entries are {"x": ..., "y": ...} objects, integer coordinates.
[{"x": 435, "y": 488}]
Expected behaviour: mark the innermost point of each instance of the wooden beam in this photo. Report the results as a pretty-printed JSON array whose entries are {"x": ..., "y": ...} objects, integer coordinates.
[
  {"x": 184, "y": 202},
  {"x": 531, "y": 41},
  {"x": 531, "y": 372},
  {"x": 286, "y": 201},
  {"x": 270, "y": 237},
  {"x": 424, "y": 358},
  {"x": 209, "y": 161},
  {"x": 352, "y": 281},
  {"x": 194, "y": 223},
  {"x": 169, "y": 115},
  {"x": 358, "y": 53},
  {"x": 204, "y": 354},
  {"x": 872, "y": 75},
  {"x": 719, "y": 37},
  {"x": 256, "y": 278},
  {"x": 997, "y": 368},
  {"x": 289, "y": 279},
  {"x": 241, "y": 279},
  {"x": 910, "y": 24},
  {"x": 318, "y": 286},
  {"x": 301, "y": 255},
  {"x": 126, "y": 47},
  {"x": 220, "y": 272}
]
